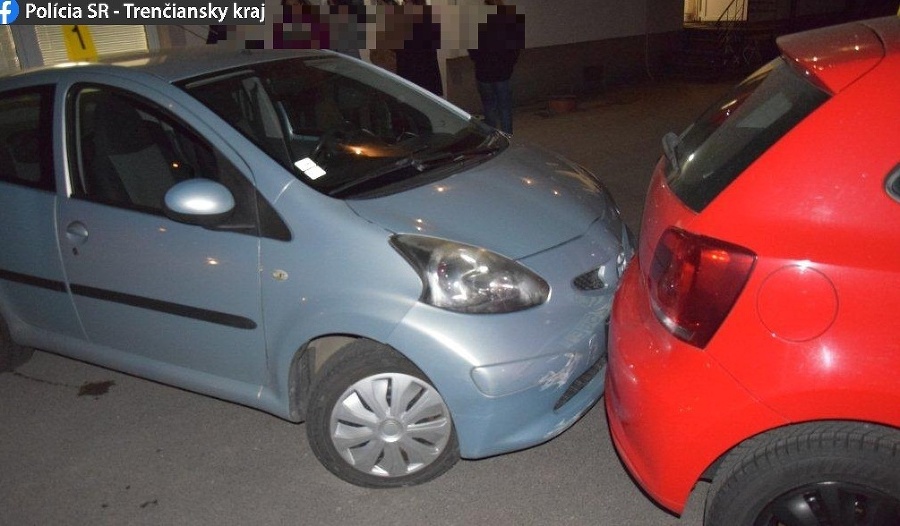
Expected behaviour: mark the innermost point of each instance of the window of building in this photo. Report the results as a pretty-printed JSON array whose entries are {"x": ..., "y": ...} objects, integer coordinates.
[
  {"x": 9, "y": 60},
  {"x": 107, "y": 39}
]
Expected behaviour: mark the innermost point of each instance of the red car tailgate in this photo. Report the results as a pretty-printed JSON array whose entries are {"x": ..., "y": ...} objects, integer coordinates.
[{"x": 834, "y": 57}]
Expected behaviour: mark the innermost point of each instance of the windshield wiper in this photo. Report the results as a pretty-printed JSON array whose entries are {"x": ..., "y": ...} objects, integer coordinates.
[
  {"x": 390, "y": 168},
  {"x": 438, "y": 159},
  {"x": 419, "y": 164},
  {"x": 670, "y": 141}
]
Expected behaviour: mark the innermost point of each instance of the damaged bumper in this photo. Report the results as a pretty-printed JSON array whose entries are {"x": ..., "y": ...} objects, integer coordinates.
[{"x": 529, "y": 375}]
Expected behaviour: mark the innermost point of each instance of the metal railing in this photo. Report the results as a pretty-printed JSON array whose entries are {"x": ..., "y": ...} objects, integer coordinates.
[{"x": 737, "y": 51}]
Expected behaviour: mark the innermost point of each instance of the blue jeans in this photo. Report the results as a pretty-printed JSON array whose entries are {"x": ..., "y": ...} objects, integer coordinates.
[{"x": 496, "y": 98}]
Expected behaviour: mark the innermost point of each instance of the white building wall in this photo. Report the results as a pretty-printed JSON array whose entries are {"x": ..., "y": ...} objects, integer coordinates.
[{"x": 549, "y": 23}]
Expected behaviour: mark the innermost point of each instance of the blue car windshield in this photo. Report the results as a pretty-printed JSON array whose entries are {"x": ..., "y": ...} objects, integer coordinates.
[{"x": 346, "y": 129}]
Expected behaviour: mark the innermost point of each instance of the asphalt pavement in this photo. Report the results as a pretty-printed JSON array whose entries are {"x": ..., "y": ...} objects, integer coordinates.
[{"x": 82, "y": 445}]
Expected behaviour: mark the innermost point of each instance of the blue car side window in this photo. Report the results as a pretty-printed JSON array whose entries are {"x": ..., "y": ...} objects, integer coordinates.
[
  {"x": 129, "y": 153},
  {"x": 26, "y": 149}
]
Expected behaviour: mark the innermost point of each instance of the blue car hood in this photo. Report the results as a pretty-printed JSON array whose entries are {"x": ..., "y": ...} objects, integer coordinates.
[{"x": 520, "y": 202}]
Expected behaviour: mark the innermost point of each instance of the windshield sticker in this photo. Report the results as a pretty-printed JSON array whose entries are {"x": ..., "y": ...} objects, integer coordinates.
[{"x": 309, "y": 168}]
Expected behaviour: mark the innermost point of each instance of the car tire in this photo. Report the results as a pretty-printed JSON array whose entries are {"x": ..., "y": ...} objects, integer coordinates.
[
  {"x": 12, "y": 355},
  {"x": 375, "y": 420},
  {"x": 836, "y": 473}
]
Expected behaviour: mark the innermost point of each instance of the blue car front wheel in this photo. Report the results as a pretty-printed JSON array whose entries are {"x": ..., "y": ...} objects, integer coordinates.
[{"x": 375, "y": 420}]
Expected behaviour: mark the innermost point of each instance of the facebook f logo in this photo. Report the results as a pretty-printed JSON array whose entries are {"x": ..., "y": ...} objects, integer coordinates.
[{"x": 9, "y": 11}]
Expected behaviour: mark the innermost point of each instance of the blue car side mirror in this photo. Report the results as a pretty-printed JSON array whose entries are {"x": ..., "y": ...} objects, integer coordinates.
[{"x": 199, "y": 202}]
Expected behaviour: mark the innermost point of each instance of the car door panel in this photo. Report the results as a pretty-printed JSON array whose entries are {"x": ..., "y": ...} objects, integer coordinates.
[
  {"x": 32, "y": 284},
  {"x": 148, "y": 288},
  {"x": 177, "y": 293},
  {"x": 33, "y": 293}
]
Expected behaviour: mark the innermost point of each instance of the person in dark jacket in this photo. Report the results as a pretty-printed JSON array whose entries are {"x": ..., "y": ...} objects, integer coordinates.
[
  {"x": 500, "y": 40},
  {"x": 417, "y": 59},
  {"x": 302, "y": 27}
]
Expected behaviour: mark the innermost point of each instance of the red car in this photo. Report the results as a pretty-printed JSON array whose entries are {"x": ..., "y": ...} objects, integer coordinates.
[{"x": 755, "y": 340}]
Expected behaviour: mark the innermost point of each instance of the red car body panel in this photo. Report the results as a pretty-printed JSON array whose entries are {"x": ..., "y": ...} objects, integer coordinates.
[
  {"x": 663, "y": 422},
  {"x": 834, "y": 56},
  {"x": 813, "y": 335}
]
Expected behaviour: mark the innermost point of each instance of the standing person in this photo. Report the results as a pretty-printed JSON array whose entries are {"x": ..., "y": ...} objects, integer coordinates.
[
  {"x": 216, "y": 34},
  {"x": 344, "y": 22},
  {"x": 388, "y": 35},
  {"x": 500, "y": 40},
  {"x": 417, "y": 59},
  {"x": 302, "y": 26}
]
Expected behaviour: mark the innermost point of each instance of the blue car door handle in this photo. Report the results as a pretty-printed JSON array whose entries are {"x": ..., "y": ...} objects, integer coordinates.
[{"x": 77, "y": 233}]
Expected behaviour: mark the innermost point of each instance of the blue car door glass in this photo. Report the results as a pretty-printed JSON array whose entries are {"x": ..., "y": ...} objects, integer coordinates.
[
  {"x": 26, "y": 149},
  {"x": 32, "y": 283},
  {"x": 152, "y": 292}
]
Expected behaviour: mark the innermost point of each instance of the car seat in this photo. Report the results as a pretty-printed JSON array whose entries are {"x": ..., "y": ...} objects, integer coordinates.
[{"x": 131, "y": 160}]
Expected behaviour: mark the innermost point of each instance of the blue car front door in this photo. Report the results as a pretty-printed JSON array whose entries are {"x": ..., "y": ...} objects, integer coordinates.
[{"x": 164, "y": 299}]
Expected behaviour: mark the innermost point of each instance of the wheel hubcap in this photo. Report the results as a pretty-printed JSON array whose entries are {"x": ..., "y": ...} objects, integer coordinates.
[
  {"x": 391, "y": 430},
  {"x": 833, "y": 504},
  {"x": 390, "y": 425}
]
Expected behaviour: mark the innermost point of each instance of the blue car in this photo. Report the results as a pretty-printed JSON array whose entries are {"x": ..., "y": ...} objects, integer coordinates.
[{"x": 309, "y": 235}]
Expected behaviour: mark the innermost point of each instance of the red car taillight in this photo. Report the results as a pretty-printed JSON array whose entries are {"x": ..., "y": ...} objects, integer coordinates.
[{"x": 694, "y": 282}]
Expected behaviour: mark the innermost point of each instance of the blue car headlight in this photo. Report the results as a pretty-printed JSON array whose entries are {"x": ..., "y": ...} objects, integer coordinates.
[{"x": 464, "y": 278}]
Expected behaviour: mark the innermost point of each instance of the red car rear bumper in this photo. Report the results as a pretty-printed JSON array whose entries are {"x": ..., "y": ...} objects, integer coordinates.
[{"x": 672, "y": 409}]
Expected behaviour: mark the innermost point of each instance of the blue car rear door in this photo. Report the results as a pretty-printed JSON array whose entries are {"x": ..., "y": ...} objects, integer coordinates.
[{"x": 34, "y": 298}]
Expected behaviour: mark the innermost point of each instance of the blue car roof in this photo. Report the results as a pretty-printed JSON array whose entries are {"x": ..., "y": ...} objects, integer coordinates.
[{"x": 173, "y": 65}]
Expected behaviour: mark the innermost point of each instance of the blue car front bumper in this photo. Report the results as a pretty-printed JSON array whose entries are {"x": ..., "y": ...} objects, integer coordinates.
[{"x": 515, "y": 380}]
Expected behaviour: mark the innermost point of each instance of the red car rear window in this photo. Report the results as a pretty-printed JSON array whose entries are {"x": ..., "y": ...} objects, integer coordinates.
[{"x": 737, "y": 129}]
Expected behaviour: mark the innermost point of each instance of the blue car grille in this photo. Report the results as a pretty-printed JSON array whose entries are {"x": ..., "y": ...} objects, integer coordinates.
[
  {"x": 589, "y": 281},
  {"x": 581, "y": 381}
]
